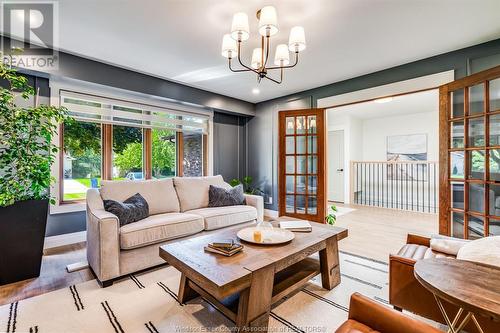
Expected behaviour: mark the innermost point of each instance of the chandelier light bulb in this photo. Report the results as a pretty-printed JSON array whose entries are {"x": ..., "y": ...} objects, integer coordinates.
[
  {"x": 297, "y": 40},
  {"x": 240, "y": 29},
  {"x": 268, "y": 22},
  {"x": 256, "y": 58},
  {"x": 229, "y": 47},
  {"x": 282, "y": 56}
]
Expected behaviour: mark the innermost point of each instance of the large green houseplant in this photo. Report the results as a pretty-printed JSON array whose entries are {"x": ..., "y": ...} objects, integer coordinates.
[{"x": 26, "y": 156}]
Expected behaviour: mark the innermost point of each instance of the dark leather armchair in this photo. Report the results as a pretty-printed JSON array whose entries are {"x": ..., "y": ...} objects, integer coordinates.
[{"x": 366, "y": 316}]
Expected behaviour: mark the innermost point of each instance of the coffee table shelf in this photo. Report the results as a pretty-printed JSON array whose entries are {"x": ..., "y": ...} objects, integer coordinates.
[
  {"x": 286, "y": 282},
  {"x": 293, "y": 278}
]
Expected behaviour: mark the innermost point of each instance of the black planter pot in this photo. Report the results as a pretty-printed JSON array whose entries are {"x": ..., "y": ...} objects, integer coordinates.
[{"x": 22, "y": 233}]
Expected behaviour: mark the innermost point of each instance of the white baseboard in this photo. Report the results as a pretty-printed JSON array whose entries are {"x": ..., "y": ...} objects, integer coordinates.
[
  {"x": 77, "y": 266},
  {"x": 271, "y": 213},
  {"x": 65, "y": 239}
]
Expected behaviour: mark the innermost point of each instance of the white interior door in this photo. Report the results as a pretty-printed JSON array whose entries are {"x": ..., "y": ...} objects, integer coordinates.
[{"x": 336, "y": 166}]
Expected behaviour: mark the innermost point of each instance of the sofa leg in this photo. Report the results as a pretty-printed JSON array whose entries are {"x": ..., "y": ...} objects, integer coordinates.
[
  {"x": 105, "y": 284},
  {"x": 397, "y": 308}
]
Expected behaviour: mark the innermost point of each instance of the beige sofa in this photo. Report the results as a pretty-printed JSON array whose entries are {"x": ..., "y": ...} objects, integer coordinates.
[{"x": 177, "y": 208}]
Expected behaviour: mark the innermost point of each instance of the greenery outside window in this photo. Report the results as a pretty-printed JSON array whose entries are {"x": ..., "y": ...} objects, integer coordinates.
[
  {"x": 164, "y": 151},
  {"x": 81, "y": 155},
  {"x": 127, "y": 153}
]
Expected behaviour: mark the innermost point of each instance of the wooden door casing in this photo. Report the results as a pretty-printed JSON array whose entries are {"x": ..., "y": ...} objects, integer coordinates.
[{"x": 321, "y": 188}]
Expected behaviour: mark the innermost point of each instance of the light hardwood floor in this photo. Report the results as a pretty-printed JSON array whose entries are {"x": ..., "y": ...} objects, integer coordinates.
[
  {"x": 373, "y": 232},
  {"x": 53, "y": 274},
  {"x": 377, "y": 232}
]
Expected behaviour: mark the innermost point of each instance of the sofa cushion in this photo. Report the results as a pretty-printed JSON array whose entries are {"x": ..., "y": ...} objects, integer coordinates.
[
  {"x": 219, "y": 217},
  {"x": 417, "y": 252},
  {"x": 159, "y": 228},
  {"x": 131, "y": 210},
  {"x": 193, "y": 191},
  {"x": 220, "y": 196},
  {"x": 484, "y": 250},
  {"x": 160, "y": 194}
]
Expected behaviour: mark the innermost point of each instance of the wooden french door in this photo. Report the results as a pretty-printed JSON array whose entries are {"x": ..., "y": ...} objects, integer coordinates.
[
  {"x": 469, "y": 156},
  {"x": 302, "y": 164}
]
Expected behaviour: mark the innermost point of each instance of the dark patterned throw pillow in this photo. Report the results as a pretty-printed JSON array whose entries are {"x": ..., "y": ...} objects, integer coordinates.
[
  {"x": 220, "y": 197},
  {"x": 131, "y": 210}
]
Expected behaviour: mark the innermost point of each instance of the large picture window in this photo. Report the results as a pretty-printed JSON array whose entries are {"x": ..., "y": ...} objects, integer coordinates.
[
  {"x": 81, "y": 159},
  {"x": 193, "y": 155},
  {"x": 164, "y": 150},
  {"x": 119, "y": 140},
  {"x": 127, "y": 153}
]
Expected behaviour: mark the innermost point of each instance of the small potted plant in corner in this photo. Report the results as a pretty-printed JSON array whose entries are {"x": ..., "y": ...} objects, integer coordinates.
[
  {"x": 248, "y": 188},
  {"x": 331, "y": 218},
  {"x": 26, "y": 156}
]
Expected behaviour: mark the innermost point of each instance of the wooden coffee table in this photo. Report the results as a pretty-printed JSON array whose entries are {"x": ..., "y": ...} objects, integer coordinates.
[{"x": 245, "y": 286}]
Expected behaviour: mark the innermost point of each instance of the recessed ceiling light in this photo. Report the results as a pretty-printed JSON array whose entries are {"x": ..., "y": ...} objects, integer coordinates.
[
  {"x": 255, "y": 91},
  {"x": 383, "y": 100}
]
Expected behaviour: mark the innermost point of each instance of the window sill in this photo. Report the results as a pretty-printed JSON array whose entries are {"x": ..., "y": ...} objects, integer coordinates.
[{"x": 67, "y": 208}]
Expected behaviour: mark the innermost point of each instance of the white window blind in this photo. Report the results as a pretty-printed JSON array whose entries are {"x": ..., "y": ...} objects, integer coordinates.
[{"x": 105, "y": 110}]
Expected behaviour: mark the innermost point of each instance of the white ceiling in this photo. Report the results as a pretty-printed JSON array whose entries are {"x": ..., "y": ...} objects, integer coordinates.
[
  {"x": 180, "y": 39},
  {"x": 426, "y": 101}
]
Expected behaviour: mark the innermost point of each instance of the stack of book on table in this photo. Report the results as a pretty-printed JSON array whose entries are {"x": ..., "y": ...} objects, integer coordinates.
[
  {"x": 226, "y": 248},
  {"x": 296, "y": 225}
]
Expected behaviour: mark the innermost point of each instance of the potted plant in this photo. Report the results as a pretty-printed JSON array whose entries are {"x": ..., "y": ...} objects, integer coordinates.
[
  {"x": 26, "y": 156},
  {"x": 248, "y": 188},
  {"x": 331, "y": 218}
]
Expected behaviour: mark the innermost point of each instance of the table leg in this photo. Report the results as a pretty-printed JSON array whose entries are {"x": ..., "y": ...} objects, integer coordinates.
[
  {"x": 186, "y": 293},
  {"x": 255, "y": 302},
  {"x": 329, "y": 262},
  {"x": 452, "y": 326},
  {"x": 477, "y": 324}
]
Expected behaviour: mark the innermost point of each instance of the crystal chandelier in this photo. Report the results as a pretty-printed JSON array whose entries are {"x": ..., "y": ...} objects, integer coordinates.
[{"x": 268, "y": 26}]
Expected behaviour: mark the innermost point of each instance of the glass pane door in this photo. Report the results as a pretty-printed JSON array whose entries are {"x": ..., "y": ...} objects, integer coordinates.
[
  {"x": 470, "y": 118},
  {"x": 302, "y": 180}
]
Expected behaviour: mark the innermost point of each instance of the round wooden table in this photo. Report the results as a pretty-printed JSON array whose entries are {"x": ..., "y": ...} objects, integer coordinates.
[{"x": 473, "y": 287}]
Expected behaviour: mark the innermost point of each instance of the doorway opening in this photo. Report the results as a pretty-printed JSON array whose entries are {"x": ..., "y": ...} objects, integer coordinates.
[
  {"x": 336, "y": 174},
  {"x": 383, "y": 171}
]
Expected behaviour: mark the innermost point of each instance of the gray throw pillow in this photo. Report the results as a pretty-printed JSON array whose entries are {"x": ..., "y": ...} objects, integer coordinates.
[
  {"x": 220, "y": 197},
  {"x": 131, "y": 210}
]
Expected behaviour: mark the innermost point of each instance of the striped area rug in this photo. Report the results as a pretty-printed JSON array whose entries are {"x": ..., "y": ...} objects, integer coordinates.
[{"x": 148, "y": 303}]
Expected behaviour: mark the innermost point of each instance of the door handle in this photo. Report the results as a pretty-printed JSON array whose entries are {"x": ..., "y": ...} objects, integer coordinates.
[{"x": 340, "y": 170}]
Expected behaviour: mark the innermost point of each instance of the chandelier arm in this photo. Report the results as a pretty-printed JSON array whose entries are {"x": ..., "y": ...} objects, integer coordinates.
[
  {"x": 237, "y": 70},
  {"x": 288, "y": 66},
  {"x": 276, "y": 81},
  {"x": 267, "y": 52},
  {"x": 241, "y": 63}
]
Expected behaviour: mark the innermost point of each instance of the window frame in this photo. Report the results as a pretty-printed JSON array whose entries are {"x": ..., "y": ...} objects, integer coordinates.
[{"x": 107, "y": 157}]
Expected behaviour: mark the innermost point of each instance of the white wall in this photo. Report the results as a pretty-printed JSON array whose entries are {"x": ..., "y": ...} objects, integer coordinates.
[
  {"x": 366, "y": 139},
  {"x": 353, "y": 134},
  {"x": 376, "y": 131}
]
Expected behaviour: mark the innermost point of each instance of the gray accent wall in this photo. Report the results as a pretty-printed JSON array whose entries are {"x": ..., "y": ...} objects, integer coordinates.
[
  {"x": 230, "y": 146},
  {"x": 262, "y": 129}
]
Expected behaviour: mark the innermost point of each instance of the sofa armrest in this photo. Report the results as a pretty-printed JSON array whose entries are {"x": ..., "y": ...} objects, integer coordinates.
[
  {"x": 103, "y": 247},
  {"x": 419, "y": 240},
  {"x": 383, "y": 319},
  {"x": 256, "y": 201}
]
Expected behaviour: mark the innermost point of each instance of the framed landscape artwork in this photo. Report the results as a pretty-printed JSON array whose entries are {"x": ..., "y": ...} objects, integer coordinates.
[{"x": 411, "y": 148}]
